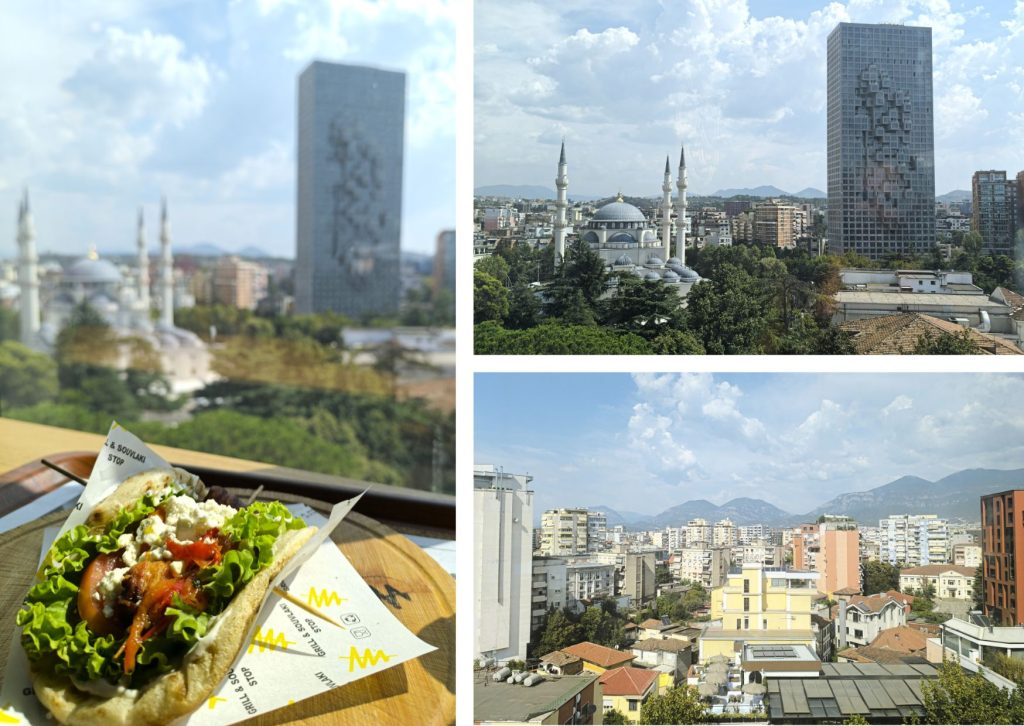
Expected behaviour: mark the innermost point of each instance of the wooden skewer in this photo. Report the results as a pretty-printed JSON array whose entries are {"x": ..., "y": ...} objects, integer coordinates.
[{"x": 277, "y": 590}]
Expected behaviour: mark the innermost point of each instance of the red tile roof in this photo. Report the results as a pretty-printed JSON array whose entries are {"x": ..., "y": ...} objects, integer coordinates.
[
  {"x": 652, "y": 624},
  {"x": 599, "y": 655},
  {"x": 627, "y": 681},
  {"x": 901, "y": 639},
  {"x": 899, "y": 334},
  {"x": 559, "y": 658}
]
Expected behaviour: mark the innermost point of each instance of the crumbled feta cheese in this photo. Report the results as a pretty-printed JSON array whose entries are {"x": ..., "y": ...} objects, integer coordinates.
[
  {"x": 131, "y": 549},
  {"x": 177, "y": 567},
  {"x": 109, "y": 588},
  {"x": 189, "y": 519},
  {"x": 152, "y": 531}
]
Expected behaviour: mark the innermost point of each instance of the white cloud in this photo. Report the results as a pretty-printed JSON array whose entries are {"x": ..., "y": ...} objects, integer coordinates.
[
  {"x": 957, "y": 108},
  {"x": 652, "y": 435},
  {"x": 274, "y": 167},
  {"x": 142, "y": 76},
  {"x": 900, "y": 403}
]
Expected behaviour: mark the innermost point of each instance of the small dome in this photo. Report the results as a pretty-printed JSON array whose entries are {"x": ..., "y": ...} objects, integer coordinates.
[
  {"x": 619, "y": 212},
  {"x": 92, "y": 271},
  {"x": 669, "y": 276},
  {"x": 623, "y": 260},
  {"x": 648, "y": 236},
  {"x": 652, "y": 275},
  {"x": 687, "y": 274},
  {"x": 654, "y": 260},
  {"x": 673, "y": 261}
]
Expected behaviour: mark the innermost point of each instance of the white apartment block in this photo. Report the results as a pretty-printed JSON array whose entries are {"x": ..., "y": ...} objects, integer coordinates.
[
  {"x": 751, "y": 533},
  {"x": 724, "y": 533},
  {"x": 967, "y": 555},
  {"x": 503, "y": 550},
  {"x": 949, "y": 581},
  {"x": 674, "y": 538},
  {"x": 914, "y": 539},
  {"x": 549, "y": 589},
  {"x": 698, "y": 531},
  {"x": 564, "y": 532},
  {"x": 585, "y": 580},
  {"x": 704, "y": 564},
  {"x": 597, "y": 530}
]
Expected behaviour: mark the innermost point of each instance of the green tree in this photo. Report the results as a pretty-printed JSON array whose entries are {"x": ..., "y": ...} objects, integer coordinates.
[
  {"x": 880, "y": 577},
  {"x": 959, "y": 697},
  {"x": 550, "y": 338},
  {"x": 490, "y": 298},
  {"x": 727, "y": 314},
  {"x": 978, "y": 590},
  {"x": 676, "y": 342},
  {"x": 856, "y": 720},
  {"x": 947, "y": 344},
  {"x": 973, "y": 242},
  {"x": 26, "y": 377},
  {"x": 581, "y": 270},
  {"x": 614, "y": 716},
  {"x": 493, "y": 265},
  {"x": 523, "y": 307},
  {"x": 559, "y": 632},
  {"x": 645, "y": 308},
  {"x": 679, "y": 705},
  {"x": 10, "y": 325}
]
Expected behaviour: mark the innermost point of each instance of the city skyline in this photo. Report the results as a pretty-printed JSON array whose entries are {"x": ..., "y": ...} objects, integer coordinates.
[
  {"x": 624, "y": 86},
  {"x": 197, "y": 102},
  {"x": 646, "y": 442}
]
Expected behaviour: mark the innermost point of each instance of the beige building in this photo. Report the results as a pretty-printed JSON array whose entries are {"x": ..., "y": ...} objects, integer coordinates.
[
  {"x": 724, "y": 533},
  {"x": 563, "y": 532},
  {"x": 949, "y": 581},
  {"x": 238, "y": 283},
  {"x": 638, "y": 579},
  {"x": 967, "y": 555},
  {"x": 773, "y": 223},
  {"x": 702, "y": 563},
  {"x": 698, "y": 530}
]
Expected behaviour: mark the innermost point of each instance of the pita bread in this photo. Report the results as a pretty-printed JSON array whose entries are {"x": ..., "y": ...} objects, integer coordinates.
[{"x": 181, "y": 691}]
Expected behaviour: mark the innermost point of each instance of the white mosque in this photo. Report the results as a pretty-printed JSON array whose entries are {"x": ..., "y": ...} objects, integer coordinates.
[
  {"x": 124, "y": 301},
  {"x": 626, "y": 240}
]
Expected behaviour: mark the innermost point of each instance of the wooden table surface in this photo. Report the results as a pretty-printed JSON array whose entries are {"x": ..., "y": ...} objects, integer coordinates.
[
  {"x": 22, "y": 442},
  {"x": 421, "y": 690}
]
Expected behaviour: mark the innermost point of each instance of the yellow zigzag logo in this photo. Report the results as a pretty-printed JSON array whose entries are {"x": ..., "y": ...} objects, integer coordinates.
[
  {"x": 324, "y": 598},
  {"x": 367, "y": 659},
  {"x": 270, "y": 639}
]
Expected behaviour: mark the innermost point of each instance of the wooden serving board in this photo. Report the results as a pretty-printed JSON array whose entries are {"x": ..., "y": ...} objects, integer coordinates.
[{"x": 415, "y": 588}]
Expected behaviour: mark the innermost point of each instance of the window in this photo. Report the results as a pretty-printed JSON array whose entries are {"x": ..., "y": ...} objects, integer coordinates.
[
  {"x": 746, "y": 586},
  {"x": 746, "y": 604},
  {"x": 633, "y": 705}
]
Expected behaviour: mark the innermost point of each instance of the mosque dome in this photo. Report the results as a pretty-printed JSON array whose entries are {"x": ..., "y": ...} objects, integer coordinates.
[
  {"x": 619, "y": 212},
  {"x": 669, "y": 276},
  {"x": 623, "y": 260},
  {"x": 673, "y": 261},
  {"x": 654, "y": 261},
  {"x": 686, "y": 274},
  {"x": 622, "y": 238},
  {"x": 92, "y": 270},
  {"x": 652, "y": 275}
]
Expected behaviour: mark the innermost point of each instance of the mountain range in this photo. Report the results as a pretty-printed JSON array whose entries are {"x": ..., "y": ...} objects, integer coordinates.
[
  {"x": 957, "y": 195},
  {"x": 770, "y": 191},
  {"x": 953, "y": 497},
  {"x": 526, "y": 191}
]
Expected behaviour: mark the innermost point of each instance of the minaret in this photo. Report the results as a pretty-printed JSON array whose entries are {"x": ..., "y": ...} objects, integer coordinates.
[
  {"x": 28, "y": 274},
  {"x": 666, "y": 212},
  {"x": 681, "y": 208},
  {"x": 140, "y": 241},
  {"x": 166, "y": 270},
  {"x": 561, "y": 204}
]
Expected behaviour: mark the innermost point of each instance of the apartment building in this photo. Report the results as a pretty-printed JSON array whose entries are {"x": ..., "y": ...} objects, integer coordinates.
[
  {"x": 548, "y": 589},
  {"x": 698, "y": 530},
  {"x": 702, "y": 563},
  {"x": 860, "y": 619},
  {"x": 724, "y": 533},
  {"x": 563, "y": 532},
  {"x": 1002, "y": 554},
  {"x": 638, "y": 578},
  {"x": 914, "y": 539},
  {"x": 502, "y": 549},
  {"x": 760, "y": 606},
  {"x": 586, "y": 580},
  {"x": 967, "y": 555}
]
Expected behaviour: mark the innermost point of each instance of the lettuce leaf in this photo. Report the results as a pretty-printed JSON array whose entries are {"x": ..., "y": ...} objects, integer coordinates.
[{"x": 54, "y": 636}]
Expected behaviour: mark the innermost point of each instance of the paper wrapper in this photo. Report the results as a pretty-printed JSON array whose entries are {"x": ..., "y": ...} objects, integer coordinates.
[{"x": 286, "y": 639}]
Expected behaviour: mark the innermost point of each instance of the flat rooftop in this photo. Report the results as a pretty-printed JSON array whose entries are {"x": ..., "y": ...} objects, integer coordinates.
[
  {"x": 879, "y": 693},
  {"x": 910, "y": 301},
  {"x": 516, "y": 702}
]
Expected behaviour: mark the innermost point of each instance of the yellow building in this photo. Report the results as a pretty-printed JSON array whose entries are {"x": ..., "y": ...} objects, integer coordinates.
[
  {"x": 627, "y": 689},
  {"x": 760, "y": 606}
]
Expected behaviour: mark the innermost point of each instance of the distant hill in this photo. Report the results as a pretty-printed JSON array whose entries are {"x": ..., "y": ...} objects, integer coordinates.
[
  {"x": 957, "y": 195},
  {"x": 954, "y": 497},
  {"x": 201, "y": 249},
  {"x": 762, "y": 191},
  {"x": 513, "y": 191},
  {"x": 811, "y": 193},
  {"x": 253, "y": 253}
]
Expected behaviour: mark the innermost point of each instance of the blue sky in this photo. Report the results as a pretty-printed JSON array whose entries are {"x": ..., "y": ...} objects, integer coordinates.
[
  {"x": 646, "y": 442},
  {"x": 742, "y": 82},
  {"x": 105, "y": 105}
]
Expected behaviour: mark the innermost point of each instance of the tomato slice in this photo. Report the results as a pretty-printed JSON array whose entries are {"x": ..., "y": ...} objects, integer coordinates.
[
  {"x": 204, "y": 551},
  {"x": 159, "y": 585},
  {"x": 91, "y": 610}
]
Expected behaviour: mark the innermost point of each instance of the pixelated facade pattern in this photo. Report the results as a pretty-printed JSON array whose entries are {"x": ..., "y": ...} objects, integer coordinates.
[
  {"x": 349, "y": 197},
  {"x": 881, "y": 178}
]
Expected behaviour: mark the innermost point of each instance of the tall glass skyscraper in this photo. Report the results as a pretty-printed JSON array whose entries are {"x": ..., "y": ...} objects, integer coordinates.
[
  {"x": 881, "y": 158},
  {"x": 349, "y": 207}
]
